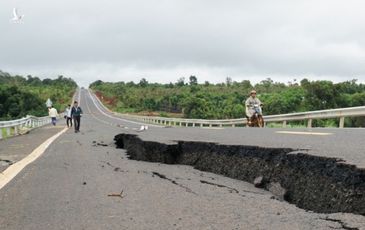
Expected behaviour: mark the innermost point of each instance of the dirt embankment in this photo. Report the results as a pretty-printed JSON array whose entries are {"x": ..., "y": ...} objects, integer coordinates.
[{"x": 314, "y": 183}]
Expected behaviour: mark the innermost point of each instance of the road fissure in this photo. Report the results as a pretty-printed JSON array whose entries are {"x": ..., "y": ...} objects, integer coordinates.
[{"x": 311, "y": 182}]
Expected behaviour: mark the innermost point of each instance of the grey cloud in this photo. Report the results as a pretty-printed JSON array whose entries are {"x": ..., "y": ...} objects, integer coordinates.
[{"x": 166, "y": 39}]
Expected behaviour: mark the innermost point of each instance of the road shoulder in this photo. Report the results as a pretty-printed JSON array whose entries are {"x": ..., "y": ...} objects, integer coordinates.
[{"x": 16, "y": 148}]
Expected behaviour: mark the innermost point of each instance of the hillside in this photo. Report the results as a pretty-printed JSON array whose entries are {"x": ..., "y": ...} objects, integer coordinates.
[
  {"x": 20, "y": 96},
  {"x": 225, "y": 100}
]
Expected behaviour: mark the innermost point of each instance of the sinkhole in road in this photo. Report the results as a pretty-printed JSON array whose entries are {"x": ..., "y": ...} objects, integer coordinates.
[{"x": 315, "y": 183}]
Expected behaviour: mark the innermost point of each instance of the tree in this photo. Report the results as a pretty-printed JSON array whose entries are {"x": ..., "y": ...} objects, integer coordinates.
[
  {"x": 180, "y": 82},
  {"x": 143, "y": 83},
  {"x": 320, "y": 95},
  {"x": 228, "y": 81},
  {"x": 193, "y": 80}
]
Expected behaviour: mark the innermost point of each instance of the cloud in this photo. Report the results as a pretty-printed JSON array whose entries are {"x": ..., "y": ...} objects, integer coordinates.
[{"x": 164, "y": 40}]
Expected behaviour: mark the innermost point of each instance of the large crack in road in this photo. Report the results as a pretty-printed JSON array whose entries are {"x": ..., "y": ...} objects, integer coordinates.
[{"x": 319, "y": 184}]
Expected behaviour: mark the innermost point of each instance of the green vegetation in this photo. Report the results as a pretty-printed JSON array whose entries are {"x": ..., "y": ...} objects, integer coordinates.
[
  {"x": 21, "y": 96},
  {"x": 225, "y": 100}
]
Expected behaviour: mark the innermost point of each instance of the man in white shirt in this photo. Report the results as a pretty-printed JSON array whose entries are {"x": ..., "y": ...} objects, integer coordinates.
[
  {"x": 68, "y": 116},
  {"x": 53, "y": 114}
]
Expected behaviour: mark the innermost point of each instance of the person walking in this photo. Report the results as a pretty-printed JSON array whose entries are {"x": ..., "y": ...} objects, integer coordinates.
[
  {"x": 68, "y": 116},
  {"x": 53, "y": 114},
  {"x": 76, "y": 112}
]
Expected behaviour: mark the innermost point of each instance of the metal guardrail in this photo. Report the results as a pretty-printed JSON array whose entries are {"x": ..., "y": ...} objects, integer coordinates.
[
  {"x": 16, "y": 127},
  {"x": 284, "y": 118},
  {"x": 358, "y": 111}
]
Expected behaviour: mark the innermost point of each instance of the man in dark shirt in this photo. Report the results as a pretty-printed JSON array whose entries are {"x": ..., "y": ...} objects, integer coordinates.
[{"x": 76, "y": 112}]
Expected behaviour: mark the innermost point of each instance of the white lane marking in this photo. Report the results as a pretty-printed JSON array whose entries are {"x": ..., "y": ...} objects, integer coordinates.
[
  {"x": 92, "y": 114},
  {"x": 98, "y": 100},
  {"x": 117, "y": 118},
  {"x": 14, "y": 169},
  {"x": 303, "y": 133}
]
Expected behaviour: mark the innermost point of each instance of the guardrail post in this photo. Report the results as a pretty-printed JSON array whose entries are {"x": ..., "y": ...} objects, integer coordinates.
[
  {"x": 201, "y": 124},
  {"x": 309, "y": 125},
  {"x": 220, "y": 125},
  {"x": 233, "y": 125},
  {"x": 1, "y": 133},
  {"x": 8, "y": 132},
  {"x": 193, "y": 124},
  {"x": 16, "y": 128},
  {"x": 342, "y": 122},
  {"x": 284, "y": 124}
]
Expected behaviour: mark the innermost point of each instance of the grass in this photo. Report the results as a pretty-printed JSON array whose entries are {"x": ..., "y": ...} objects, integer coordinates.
[{"x": 4, "y": 133}]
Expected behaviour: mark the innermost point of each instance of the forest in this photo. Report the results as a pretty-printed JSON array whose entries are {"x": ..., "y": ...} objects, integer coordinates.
[
  {"x": 189, "y": 99},
  {"x": 21, "y": 96}
]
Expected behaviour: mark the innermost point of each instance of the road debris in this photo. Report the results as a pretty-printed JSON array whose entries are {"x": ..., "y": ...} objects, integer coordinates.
[
  {"x": 142, "y": 128},
  {"x": 277, "y": 190},
  {"x": 101, "y": 143},
  {"x": 259, "y": 182},
  {"x": 117, "y": 194}
]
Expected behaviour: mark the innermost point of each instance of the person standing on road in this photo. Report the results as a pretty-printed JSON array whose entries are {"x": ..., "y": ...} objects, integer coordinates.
[
  {"x": 53, "y": 114},
  {"x": 68, "y": 116},
  {"x": 76, "y": 112}
]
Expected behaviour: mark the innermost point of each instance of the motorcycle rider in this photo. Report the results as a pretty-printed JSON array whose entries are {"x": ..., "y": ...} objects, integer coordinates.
[{"x": 250, "y": 103}]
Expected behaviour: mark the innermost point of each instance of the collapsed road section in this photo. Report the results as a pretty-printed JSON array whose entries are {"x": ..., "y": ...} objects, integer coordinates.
[{"x": 315, "y": 183}]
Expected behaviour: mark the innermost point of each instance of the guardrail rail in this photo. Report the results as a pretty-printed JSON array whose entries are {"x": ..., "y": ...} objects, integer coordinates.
[
  {"x": 16, "y": 127},
  {"x": 283, "y": 118}
]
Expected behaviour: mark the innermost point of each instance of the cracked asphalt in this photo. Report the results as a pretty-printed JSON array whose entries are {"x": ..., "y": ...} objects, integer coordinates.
[{"x": 69, "y": 187}]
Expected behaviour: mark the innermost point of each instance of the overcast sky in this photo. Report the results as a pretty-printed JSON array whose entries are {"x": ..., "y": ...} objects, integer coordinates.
[{"x": 163, "y": 40}]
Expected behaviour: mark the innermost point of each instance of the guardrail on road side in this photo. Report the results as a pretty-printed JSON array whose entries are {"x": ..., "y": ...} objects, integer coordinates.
[
  {"x": 16, "y": 127},
  {"x": 284, "y": 118},
  {"x": 358, "y": 111}
]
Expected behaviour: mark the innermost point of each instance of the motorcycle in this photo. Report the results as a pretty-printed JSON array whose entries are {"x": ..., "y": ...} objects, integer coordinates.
[{"x": 256, "y": 120}]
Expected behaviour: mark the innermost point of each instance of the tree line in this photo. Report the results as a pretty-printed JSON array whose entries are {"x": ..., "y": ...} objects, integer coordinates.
[
  {"x": 226, "y": 100},
  {"x": 21, "y": 96}
]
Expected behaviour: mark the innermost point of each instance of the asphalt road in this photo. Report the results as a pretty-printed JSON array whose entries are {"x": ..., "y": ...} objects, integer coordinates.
[
  {"x": 16, "y": 148},
  {"x": 347, "y": 144},
  {"x": 68, "y": 186}
]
